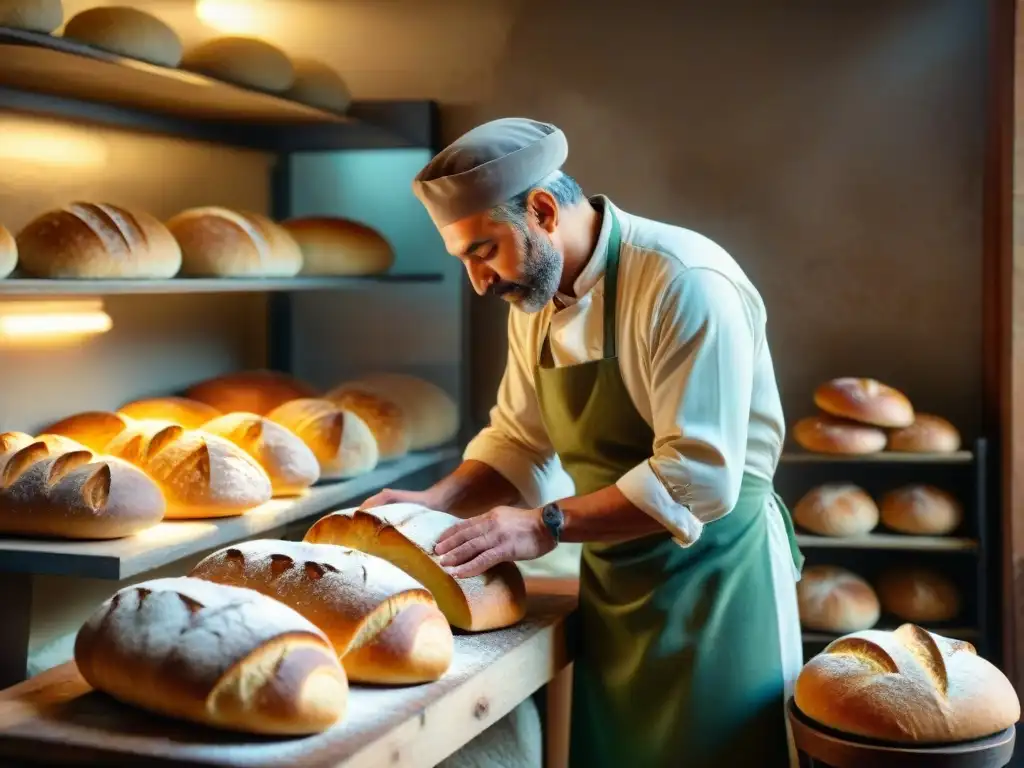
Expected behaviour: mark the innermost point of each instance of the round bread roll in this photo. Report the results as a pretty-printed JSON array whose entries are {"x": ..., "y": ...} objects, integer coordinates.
[
  {"x": 342, "y": 442},
  {"x": 334, "y": 246},
  {"x": 928, "y": 434},
  {"x": 216, "y": 242},
  {"x": 97, "y": 242},
  {"x": 920, "y": 595},
  {"x": 317, "y": 85},
  {"x": 383, "y": 417},
  {"x": 44, "y": 16},
  {"x": 921, "y": 509},
  {"x": 865, "y": 400},
  {"x": 257, "y": 391},
  {"x": 126, "y": 32},
  {"x": 190, "y": 414},
  {"x": 836, "y": 509},
  {"x": 431, "y": 416},
  {"x": 825, "y": 434},
  {"x": 244, "y": 61},
  {"x": 8, "y": 252},
  {"x": 832, "y": 599}
]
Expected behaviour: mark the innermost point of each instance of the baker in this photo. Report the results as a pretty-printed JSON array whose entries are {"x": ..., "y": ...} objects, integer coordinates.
[{"x": 638, "y": 361}]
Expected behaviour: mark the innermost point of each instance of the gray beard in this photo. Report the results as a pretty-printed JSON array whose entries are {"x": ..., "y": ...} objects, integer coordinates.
[{"x": 542, "y": 271}]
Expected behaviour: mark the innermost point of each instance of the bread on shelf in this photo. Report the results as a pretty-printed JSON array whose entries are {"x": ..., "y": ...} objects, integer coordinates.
[
  {"x": 126, "y": 32},
  {"x": 431, "y": 416},
  {"x": 318, "y": 85},
  {"x": 906, "y": 686},
  {"x": 833, "y": 599},
  {"x": 201, "y": 475},
  {"x": 920, "y": 595},
  {"x": 8, "y": 252},
  {"x": 93, "y": 429},
  {"x": 288, "y": 461},
  {"x": 385, "y": 626},
  {"x": 384, "y": 418},
  {"x": 827, "y": 434},
  {"x": 866, "y": 401},
  {"x": 212, "y": 654},
  {"x": 51, "y": 486},
  {"x": 922, "y": 510},
  {"x": 343, "y": 444},
  {"x": 928, "y": 434},
  {"x": 256, "y": 391},
  {"x": 217, "y": 242},
  {"x": 44, "y": 16},
  {"x": 336, "y": 246},
  {"x": 405, "y": 535},
  {"x": 245, "y": 61},
  {"x": 836, "y": 509},
  {"x": 190, "y": 414},
  {"x": 97, "y": 241}
]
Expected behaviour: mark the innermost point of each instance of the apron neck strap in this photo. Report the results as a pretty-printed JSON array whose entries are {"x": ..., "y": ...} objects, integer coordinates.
[{"x": 611, "y": 282}]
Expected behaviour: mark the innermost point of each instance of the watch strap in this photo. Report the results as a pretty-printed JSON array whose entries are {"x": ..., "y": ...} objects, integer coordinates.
[{"x": 554, "y": 520}]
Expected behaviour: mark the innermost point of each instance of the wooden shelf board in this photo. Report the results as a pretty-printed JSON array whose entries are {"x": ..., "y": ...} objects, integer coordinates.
[
  {"x": 888, "y": 541},
  {"x": 883, "y": 457},
  {"x": 959, "y": 633},
  {"x": 172, "y": 540}
]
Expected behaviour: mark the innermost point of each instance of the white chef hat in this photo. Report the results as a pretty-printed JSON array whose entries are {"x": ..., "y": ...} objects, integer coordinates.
[{"x": 487, "y": 166}]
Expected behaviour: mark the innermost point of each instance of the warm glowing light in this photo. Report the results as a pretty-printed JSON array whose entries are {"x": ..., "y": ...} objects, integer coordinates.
[
  {"x": 49, "y": 322},
  {"x": 41, "y": 143},
  {"x": 236, "y": 17}
]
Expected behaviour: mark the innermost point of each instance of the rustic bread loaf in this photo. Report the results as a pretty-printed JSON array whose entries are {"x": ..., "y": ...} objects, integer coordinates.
[
  {"x": 866, "y": 401},
  {"x": 44, "y": 16},
  {"x": 342, "y": 442},
  {"x": 244, "y": 61},
  {"x": 93, "y": 429},
  {"x": 8, "y": 252},
  {"x": 906, "y": 686},
  {"x": 100, "y": 241},
  {"x": 289, "y": 463},
  {"x": 921, "y": 509},
  {"x": 318, "y": 85},
  {"x": 385, "y": 419},
  {"x": 832, "y": 599},
  {"x": 406, "y": 534},
  {"x": 354, "y": 598},
  {"x": 928, "y": 434},
  {"x": 257, "y": 391},
  {"x": 201, "y": 475},
  {"x": 431, "y": 416},
  {"x": 335, "y": 246},
  {"x": 836, "y": 509},
  {"x": 190, "y": 414},
  {"x": 825, "y": 434},
  {"x": 51, "y": 486},
  {"x": 918, "y": 594},
  {"x": 213, "y": 654},
  {"x": 217, "y": 242},
  {"x": 126, "y": 32}
]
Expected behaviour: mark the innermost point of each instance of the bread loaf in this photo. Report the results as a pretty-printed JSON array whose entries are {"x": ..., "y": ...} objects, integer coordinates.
[
  {"x": 921, "y": 509},
  {"x": 317, "y": 85},
  {"x": 126, "y": 32},
  {"x": 928, "y": 434},
  {"x": 406, "y": 534},
  {"x": 93, "y": 429},
  {"x": 190, "y": 414},
  {"x": 906, "y": 686},
  {"x": 918, "y": 594},
  {"x": 216, "y": 655},
  {"x": 431, "y": 416},
  {"x": 342, "y": 443},
  {"x": 836, "y": 509},
  {"x": 100, "y": 241},
  {"x": 865, "y": 400},
  {"x": 53, "y": 487},
  {"x": 216, "y": 242},
  {"x": 8, "y": 253},
  {"x": 257, "y": 392},
  {"x": 383, "y": 417},
  {"x": 244, "y": 61},
  {"x": 201, "y": 475},
  {"x": 354, "y": 598},
  {"x": 825, "y": 434},
  {"x": 334, "y": 246},
  {"x": 289, "y": 463},
  {"x": 44, "y": 16},
  {"x": 832, "y": 599}
]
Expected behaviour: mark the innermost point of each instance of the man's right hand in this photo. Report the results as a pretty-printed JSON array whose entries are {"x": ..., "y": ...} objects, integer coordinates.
[{"x": 388, "y": 496}]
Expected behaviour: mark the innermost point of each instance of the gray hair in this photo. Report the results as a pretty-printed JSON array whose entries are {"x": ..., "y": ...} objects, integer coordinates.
[{"x": 561, "y": 186}]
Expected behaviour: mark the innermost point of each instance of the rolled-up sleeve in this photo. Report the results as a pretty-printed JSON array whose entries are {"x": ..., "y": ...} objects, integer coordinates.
[{"x": 702, "y": 348}]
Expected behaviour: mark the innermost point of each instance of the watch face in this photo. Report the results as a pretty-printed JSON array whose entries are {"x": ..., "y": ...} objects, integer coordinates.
[{"x": 551, "y": 514}]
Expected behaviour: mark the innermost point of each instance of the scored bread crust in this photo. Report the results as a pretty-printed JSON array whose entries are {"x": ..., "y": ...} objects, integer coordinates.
[
  {"x": 431, "y": 416},
  {"x": 406, "y": 534},
  {"x": 190, "y": 414},
  {"x": 867, "y": 401},
  {"x": 218, "y": 242},
  {"x": 342, "y": 442},
  {"x": 920, "y": 509},
  {"x": 836, "y": 509},
  {"x": 833, "y": 599},
  {"x": 384, "y": 418},
  {"x": 256, "y": 391}
]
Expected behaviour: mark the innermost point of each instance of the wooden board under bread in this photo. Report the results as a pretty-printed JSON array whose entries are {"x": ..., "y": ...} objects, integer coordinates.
[{"x": 57, "y": 719}]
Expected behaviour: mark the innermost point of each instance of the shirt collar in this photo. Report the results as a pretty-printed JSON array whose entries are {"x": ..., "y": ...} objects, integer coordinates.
[{"x": 593, "y": 271}]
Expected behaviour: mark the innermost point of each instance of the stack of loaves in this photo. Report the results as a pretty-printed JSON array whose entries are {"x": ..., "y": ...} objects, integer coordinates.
[
  {"x": 862, "y": 416},
  {"x": 267, "y": 635},
  {"x": 845, "y": 510}
]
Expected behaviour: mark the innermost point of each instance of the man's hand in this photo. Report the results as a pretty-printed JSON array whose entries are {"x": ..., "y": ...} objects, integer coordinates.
[
  {"x": 503, "y": 534},
  {"x": 426, "y": 499}
]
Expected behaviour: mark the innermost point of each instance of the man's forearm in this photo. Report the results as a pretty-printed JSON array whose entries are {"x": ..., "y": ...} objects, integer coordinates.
[
  {"x": 474, "y": 488},
  {"x": 605, "y": 516}
]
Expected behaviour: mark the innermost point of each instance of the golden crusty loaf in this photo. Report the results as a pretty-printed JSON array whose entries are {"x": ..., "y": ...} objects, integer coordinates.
[
  {"x": 201, "y": 475},
  {"x": 341, "y": 441},
  {"x": 431, "y": 416},
  {"x": 906, "y": 686},
  {"x": 217, "y": 242},
  {"x": 921, "y": 509},
  {"x": 190, "y": 414},
  {"x": 44, "y": 16},
  {"x": 93, "y": 429},
  {"x": 318, "y": 85},
  {"x": 256, "y": 391},
  {"x": 97, "y": 241},
  {"x": 406, "y": 534},
  {"x": 54, "y": 487},
  {"x": 385, "y": 419},
  {"x": 213, "y": 654},
  {"x": 928, "y": 434},
  {"x": 244, "y": 61},
  {"x": 833, "y": 599},
  {"x": 335, "y": 246},
  {"x": 865, "y": 400},
  {"x": 917, "y": 594},
  {"x": 836, "y": 509},
  {"x": 127, "y": 32},
  {"x": 826, "y": 434},
  {"x": 289, "y": 463},
  {"x": 8, "y": 252},
  {"x": 354, "y": 598}
]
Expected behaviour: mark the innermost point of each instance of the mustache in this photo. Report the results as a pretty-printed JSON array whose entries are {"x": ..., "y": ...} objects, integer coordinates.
[{"x": 503, "y": 288}]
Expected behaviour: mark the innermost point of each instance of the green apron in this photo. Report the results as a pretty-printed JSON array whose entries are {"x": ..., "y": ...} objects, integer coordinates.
[{"x": 678, "y": 657}]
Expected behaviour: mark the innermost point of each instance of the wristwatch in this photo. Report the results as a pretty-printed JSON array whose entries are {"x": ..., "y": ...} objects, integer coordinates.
[{"x": 553, "y": 519}]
